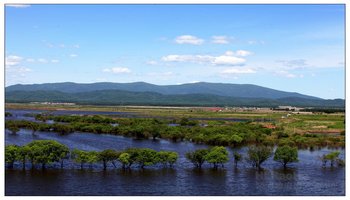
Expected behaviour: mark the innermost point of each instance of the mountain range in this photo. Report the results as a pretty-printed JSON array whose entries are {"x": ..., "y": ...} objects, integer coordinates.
[{"x": 141, "y": 93}]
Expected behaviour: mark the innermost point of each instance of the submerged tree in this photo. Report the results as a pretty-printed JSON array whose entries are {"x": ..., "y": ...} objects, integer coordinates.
[
  {"x": 217, "y": 155},
  {"x": 167, "y": 158},
  {"x": 258, "y": 154},
  {"x": 34, "y": 127},
  {"x": 332, "y": 157},
  {"x": 92, "y": 158},
  {"x": 11, "y": 152},
  {"x": 80, "y": 156},
  {"x": 46, "y": 152},
  {"x": 13, "y": 128},
  {"x": 124, "y": 159},
  {"x": 237, "y": 158},
  {"x": 197, "y": 157},
  {"x": 146, "y": 157},
  {"x": 286, "y": 154},
  {"x": 133, "y": 154},
  {"x": 22, "y": 155},
  {"x": 108, "y": 155}
]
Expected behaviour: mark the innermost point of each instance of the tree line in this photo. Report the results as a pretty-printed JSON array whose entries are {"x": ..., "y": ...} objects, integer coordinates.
[
  {"x": 214, "y": 134},
  {"x": 235, "y": 134},
  {"x": 44, "y": 152},
  {"x": 256, "y": 155}
]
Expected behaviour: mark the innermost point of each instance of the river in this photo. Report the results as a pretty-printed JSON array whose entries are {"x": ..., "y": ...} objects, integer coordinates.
[{"x": 307, "y": 177}]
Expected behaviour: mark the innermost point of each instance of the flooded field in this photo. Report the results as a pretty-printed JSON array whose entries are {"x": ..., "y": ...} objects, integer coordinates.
[{"x": 307, "y": 177}]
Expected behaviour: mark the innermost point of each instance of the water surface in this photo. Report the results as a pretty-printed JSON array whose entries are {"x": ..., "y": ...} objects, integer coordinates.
[{"x": 307, "y": 177}]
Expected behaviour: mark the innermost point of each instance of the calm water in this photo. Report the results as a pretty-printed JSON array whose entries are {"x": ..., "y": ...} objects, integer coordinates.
[{"x": 304, "y": 178}]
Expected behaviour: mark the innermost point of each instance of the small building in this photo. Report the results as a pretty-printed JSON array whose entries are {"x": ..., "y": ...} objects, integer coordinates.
[
  {"x": 288, "y": 108},
  {"x": 214, "y": 109}
]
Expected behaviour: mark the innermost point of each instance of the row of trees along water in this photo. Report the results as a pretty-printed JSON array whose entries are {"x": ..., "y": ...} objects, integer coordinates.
[
  {"x": 214, "y": 133},
  {"x": 43, "y": 152}
]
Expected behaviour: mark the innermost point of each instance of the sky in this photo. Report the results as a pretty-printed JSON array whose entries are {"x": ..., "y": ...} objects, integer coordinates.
[{"x": 294, "y": 48}]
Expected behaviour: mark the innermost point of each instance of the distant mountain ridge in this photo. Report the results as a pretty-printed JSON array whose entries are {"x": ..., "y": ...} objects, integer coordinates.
[
  {"x": 220, "y": 89},
  {"x": 140, "y": 93},
  {"x": 118, "y": 97}
]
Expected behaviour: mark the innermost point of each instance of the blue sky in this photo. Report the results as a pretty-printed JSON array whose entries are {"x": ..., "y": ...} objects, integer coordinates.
[{"x": 296, "y": 48}]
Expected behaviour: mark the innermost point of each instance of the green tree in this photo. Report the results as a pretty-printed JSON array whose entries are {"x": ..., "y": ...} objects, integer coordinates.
[
  {"x": 92, "y": 158},
  {"x": 13, "y": 128},
  {"x": 133, "y": 153},
  {"x": 80, "y": 156},
  {"x": 22, "y": 155},
  {"x": 281, "y": 134},
  {"x": 46, "y": 151},
  {"x": 217, "y": 155},
  {"x": 286, "y": 154},
  {"x": 124, "y": 158},
  {"x": 332, "y": 157},
  {"x": 108, "y": 155},
  {"x": 34, "y": 127},
  {"x": 146, "y": 157},
  {"x": 62, "y": 153},
  {"x": 197, "y": 157},
  {"x": 184, "y": 121},
  {"x": 167, "y": 158},
  {"x": 237, "y": 158},
  {"x": 11, "y": 152},
  {"x": 62, "y": 128},
  {"x": 258, "y": 154}
]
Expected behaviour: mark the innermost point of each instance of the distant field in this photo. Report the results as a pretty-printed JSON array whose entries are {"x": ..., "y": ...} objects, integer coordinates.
[{"x": 293, "y": 123}]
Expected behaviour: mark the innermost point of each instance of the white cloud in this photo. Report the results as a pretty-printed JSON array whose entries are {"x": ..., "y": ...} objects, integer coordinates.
[
  {"x": 30, "y": 60},
  {"x": 22, "y": 70},
  {"x": 15, "y": 71},
  {"x": 188, "y": 58},
  {"x": 229, "y": 53},
  {"x": 12, "y": 60},
  {"x": 293, "y": 64},
  {"x": 228, "y": 58},
  {"x": 188, "y": 39},
  {"x": 55, "y": 61},
  {"x": 285, "y": 74},
  {"x": 238, "y": 71},
  {"x": 60, "y": 45},
  {"x": 17, "y": 5},
  {"x": 151, "y": 62},
  {"x": 243, "y": 53},
  {"x": 220, "y": 40},
  {"x": 117, "y": 70},
  {"x": 73, "y": 55}
]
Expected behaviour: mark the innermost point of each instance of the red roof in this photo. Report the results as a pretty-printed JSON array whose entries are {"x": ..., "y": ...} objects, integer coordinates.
[{"x": 270, "y": 126}]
